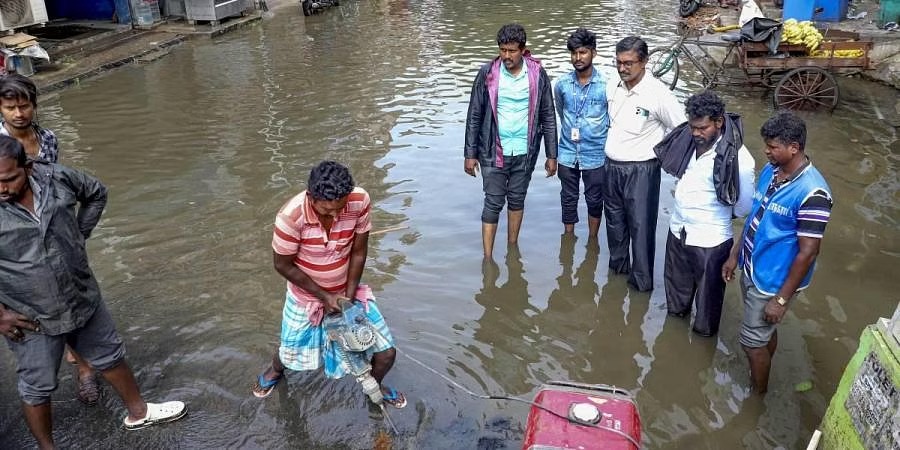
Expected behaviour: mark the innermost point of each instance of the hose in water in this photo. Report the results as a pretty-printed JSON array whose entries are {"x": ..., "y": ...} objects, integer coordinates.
[
  {"x": 630, "y": 439},
  {"x": 387, "y": 418}
]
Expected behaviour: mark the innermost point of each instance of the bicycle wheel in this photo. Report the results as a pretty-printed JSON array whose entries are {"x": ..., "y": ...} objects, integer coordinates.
[
  {"x": 662, "y": 63},
  {"x": 688, "y": 7}
]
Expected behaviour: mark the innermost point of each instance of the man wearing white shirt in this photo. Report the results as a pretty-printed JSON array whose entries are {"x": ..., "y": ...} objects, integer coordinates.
[
  {"x": 700, "y": 232},
  {"x": 641, "y": 110}
]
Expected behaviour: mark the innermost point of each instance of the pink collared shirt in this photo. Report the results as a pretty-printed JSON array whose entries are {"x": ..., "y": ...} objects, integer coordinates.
[{"x": 324, "y": 257}]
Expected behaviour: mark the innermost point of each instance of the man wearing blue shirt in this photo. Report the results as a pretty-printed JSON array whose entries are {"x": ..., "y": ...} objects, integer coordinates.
[{"x": 581, "y": 103}]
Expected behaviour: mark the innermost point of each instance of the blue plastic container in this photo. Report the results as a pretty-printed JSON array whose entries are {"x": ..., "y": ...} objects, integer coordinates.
[
  {"x": 20, "y": 65},
  {"x": 832, "y": 10},
  {"x": 81, "y": 9},
  {"x": 798, "y": 9}
]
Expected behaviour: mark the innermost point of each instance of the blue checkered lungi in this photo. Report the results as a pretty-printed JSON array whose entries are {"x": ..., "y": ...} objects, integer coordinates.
[{"x": 305, "y": 346}]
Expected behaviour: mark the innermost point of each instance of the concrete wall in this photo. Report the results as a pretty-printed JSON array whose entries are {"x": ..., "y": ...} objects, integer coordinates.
[
  {"x": 875, "y": 397},
  {"x": 886, "y": 62}
]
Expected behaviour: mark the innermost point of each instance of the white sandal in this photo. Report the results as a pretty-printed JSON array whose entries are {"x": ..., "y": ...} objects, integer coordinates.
[{"x": 157, "y": 413}]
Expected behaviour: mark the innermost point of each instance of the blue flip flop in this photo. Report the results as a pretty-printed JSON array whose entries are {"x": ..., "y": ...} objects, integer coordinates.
[
  {"x": 265, "y": 387},
  {"x": 394, "y": 397}
]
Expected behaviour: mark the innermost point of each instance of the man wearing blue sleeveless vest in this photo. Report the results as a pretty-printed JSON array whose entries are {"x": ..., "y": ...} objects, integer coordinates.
[{"x": 781, "y": 239}]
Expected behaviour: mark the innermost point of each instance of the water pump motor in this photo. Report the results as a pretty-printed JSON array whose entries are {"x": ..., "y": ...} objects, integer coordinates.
[{"x": 353, "y": 335}]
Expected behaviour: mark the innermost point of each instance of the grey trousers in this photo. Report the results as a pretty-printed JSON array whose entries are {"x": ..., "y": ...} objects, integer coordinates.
[
  {"x": 505, "y": 185},
  {"x": 38, "y": 355}
]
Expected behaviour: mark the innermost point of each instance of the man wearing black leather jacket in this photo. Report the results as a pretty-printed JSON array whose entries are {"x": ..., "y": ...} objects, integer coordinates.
[{"x": 510, "y": 111}]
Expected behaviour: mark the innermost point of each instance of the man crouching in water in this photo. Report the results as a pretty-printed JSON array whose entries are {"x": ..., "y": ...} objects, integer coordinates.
[{"x": 320, "y": 245}]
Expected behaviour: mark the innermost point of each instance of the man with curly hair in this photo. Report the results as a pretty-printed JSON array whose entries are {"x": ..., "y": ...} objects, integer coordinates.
[
  {"x": 320, "y": 244},
  {"x": 700, "y": 232}
]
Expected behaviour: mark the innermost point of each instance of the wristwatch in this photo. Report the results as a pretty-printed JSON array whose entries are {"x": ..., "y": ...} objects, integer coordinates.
[{"x": 781, "y": 300}]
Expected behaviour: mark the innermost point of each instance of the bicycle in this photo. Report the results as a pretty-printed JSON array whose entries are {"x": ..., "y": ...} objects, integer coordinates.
[
  {"x": 662, "y": 62},
  {"x": 664, "y": 65}
]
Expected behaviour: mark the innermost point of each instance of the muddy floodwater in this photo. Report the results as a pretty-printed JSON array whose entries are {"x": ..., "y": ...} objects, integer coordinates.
[{"x": 199, "y": 150}]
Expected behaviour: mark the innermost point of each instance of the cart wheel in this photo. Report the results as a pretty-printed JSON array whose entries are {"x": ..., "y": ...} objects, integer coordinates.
[
  {"x": 807, "y": 88},
  {"x": 663, "y": 64},
  {"x": 306, "y": 6}
]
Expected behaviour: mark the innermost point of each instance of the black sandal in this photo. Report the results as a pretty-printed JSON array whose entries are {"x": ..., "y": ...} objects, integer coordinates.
[{"x": 87, "y": 389}]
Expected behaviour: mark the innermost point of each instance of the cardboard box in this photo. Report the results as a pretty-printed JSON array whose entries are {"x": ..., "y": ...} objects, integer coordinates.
[{"x": 18, "y": 40}]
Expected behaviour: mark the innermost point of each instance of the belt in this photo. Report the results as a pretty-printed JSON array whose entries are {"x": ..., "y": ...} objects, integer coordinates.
[{"x": 626, "y": 163}]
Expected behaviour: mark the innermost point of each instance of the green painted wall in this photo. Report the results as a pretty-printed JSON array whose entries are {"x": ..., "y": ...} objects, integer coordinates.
[{"x": 838, "y": 430}]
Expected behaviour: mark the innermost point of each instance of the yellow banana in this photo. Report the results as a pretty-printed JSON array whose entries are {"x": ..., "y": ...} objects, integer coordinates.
[
  {"x": 726, "y": 28},
  {"x": 798, "y": 33},
  {"x": 853, "y": 53}
]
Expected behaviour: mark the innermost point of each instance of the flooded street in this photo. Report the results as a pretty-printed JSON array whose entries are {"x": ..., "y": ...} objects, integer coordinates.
[{"x": 201, "y": 148}]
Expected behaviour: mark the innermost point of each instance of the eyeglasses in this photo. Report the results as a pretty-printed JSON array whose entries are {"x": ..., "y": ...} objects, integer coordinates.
[{"x": 627, "y": 64}]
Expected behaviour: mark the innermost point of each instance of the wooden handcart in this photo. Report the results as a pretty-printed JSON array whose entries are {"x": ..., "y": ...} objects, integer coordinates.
[{"x": 800, "y": 80}]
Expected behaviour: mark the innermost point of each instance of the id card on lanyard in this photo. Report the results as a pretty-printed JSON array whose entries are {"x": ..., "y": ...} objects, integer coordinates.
[{"x": 575, "y": 134}]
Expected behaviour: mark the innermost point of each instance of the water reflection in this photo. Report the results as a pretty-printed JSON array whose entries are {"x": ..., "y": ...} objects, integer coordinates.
[
  {"x": 505, "y": 328},
  {"x": 568, "y": 324},
  {"x": 621, "y": 346},
  {"x": 202, "y": 147},
  {"x": 677, "y": 348}
]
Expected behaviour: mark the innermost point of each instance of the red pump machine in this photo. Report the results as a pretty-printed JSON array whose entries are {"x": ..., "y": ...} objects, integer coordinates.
[{"x": 566, "y": 415}]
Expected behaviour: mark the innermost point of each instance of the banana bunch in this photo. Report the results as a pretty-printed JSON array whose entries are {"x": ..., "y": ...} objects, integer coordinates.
[
  {"x": 855, "y": 53},
  {"x": 797, "y": 33}
]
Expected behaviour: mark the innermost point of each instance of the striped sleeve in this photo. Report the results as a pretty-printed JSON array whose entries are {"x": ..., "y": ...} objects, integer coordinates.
[
  {"x": 288, "y": 227},
  {"x": 363, "y": 221},
  {"x": 814, "y": 214}
]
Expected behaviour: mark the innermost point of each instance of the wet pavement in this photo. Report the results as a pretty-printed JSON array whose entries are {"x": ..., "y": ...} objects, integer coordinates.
[{"x": 200, "y": 149}]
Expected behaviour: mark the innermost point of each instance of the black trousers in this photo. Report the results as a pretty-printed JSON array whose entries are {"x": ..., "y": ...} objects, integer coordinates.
[
  {"x": 570, "y": 184},
  {"x": 693, "y": 275},
  {"x": 631, "y": 204}
]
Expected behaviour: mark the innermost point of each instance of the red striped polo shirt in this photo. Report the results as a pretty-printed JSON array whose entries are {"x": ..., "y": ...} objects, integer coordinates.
[{"x": 324, "y": 257}]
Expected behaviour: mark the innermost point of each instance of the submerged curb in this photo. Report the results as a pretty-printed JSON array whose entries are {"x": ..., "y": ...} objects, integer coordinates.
[{"x": 105, "y": 67}]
